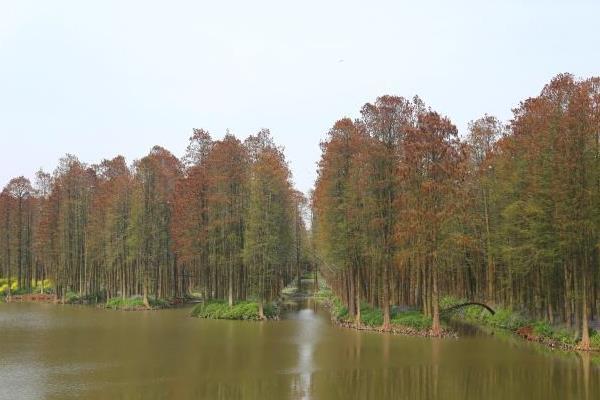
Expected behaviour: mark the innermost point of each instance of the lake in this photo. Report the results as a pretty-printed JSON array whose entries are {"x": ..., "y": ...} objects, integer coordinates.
[{"x": 67, "y": 352}]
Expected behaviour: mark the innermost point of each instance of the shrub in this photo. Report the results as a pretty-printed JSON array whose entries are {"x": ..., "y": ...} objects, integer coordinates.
[
  {"x": 71, "y": 298},
  {"x": 339, "y": 310},
  {"x": 324, "y": 294},
  {"x": 413, "y": 319},
  {"x": 450, "y": 301},
  {"x": 289, "y": 290},
  {"x": 595, "y": 339},
  {"x": 371, "y": 316},
  {"x": 507, "y": 319},
  {"x": 565, "y": 336},
  {"x": 134, "y": 303},
  {"x": 504, "y": 318},
  {"x": 4, "y": 286},
  {"x": 36, "y": 287},
  {"x": 45, "y": 284},
  {"x": 542, "y": 328},
  {"x": 245, "y": 310}
]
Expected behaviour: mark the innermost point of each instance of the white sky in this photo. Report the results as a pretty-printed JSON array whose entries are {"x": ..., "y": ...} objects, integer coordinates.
[{"x": 101, "y": 78}]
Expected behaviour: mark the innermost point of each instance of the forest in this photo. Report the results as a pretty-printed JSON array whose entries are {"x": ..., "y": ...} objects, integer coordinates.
[
  {"x": 406, "y": 211},
  {"x": 224, "y": 222}
]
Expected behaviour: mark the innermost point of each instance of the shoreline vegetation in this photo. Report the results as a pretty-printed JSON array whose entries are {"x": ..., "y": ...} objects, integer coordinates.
[
  {"x": 248, "y": 310},
  {"x": 407, "y": 211},
  {"x": 404, "y": 322},
  {"x": 223, "y": 221},
  {"x": 44, "y": 292},
  {"x": 241, "y": 311},
  {"x": 404, "y": 211},
  {"x": 414, "y": 323},
  {"x": 515, "y": 323}
]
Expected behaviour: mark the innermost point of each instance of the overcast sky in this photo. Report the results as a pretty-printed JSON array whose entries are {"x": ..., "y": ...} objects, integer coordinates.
[{"x": 101, "y": 78}]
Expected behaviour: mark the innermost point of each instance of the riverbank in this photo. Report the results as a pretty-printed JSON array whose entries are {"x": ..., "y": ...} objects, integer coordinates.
[
  {"x": 136, "y": 303},
  {"x": 554, "y": 337},
  {"x": 95, "y": 354},
  {"x": 403, "y": 322},
  {"x": 40, "y": 291},
  {"x": 249, "y": 310},
  {"x": 133, "y": 303},
  {"x": 243, "y": 310},
  {"x": 31, "y": 298}
]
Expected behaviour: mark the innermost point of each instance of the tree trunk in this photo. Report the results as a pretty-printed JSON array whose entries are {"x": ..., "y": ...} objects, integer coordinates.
[
  {"x": 230, "y": 296},
  {"x": 145, "y": 294},
  {"x": 351, "y": 295},
  {"x": 386, "y": 300},
  {"x": 357, "y": 294},
  {"x": 435, "y": 326},
  {"x": 488, "y": 252},
  {"x": 585, "y": 335}
]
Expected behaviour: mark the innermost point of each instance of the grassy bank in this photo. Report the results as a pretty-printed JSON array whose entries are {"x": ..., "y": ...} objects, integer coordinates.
[
  {"x": 37, "y": 287},
  {"x": 244, "y": 310},
  {"x": 135, "y": 303},
  {"x": 75, "y": 298},
  {"x": 43, "y": 291},
  {"x": 410, "y": 322},
  {"x": 515, "y": 322}
]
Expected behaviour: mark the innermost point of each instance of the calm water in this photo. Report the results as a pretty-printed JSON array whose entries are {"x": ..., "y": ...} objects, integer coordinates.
[{"x": 64, "y": 352}]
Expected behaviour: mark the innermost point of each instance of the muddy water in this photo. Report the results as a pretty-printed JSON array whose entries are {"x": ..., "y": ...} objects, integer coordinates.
[{"x": 64, "y": 352}]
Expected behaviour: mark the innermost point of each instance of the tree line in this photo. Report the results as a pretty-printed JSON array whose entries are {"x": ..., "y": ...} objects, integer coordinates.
[
  {"x": 407, "y": 211},
  {"x": 224, "y": 221}
]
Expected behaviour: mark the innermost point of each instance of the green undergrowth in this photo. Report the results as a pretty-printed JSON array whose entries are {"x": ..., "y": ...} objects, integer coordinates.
[
  {"x": 76, "y": 298},
  {"x": 244, "y": 310},
  {"x": 39, "y": 286},
  {"x": 371, "y": 316},
  {"x": 513, "y": 321},
  {"x": 289, "y": 290},
  {"x": 135, "y": 303}
]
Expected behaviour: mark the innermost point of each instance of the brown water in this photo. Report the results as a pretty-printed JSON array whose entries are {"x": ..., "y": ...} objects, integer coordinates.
[{"x": 65, "y": 352}]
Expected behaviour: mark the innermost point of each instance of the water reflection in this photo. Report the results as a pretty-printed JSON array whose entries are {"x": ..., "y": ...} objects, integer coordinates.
[
  {"x": 302, "y": 382},
  {"x": 585, "y": 366},
  {"x": 309, "y": 325},
  {"x": 77, "y": 352}
]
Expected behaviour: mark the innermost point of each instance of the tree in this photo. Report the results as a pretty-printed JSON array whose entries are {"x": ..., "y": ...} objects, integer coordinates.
[
  {"x": 483, "y": 135},
  {"x": 431, "y": 171},
  {"x": 154, "y": 183},
  {"x": 269, "y": 229},
  {"x": 339, "y": 208}
]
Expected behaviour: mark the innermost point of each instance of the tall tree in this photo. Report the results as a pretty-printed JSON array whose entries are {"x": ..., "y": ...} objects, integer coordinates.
[{"x": 268, "y": 228}]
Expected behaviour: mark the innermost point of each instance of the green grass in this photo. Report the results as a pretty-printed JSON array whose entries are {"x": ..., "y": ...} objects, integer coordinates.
[
  {"x": 414, "y": 319},
  {"x": 325, "y": 295},
  {"x": 289, "y": 290},
  {"x": 244, "y": 310},
  {"x": 595, "y": 339},
  {"x": 4, "y": 286},
  {"x": 371, "y": 316},
  {"x": 36, "y": 287},
  {"x": 134, "y": 303},
  {"x": 75, "y": 298},
  {"x": 511, "y": 320},
  {"x": 503, "y": 318},
  {"x": 72, "y": 298}
]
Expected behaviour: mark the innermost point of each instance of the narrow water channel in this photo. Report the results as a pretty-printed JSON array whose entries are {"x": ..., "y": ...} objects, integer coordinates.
[{"x": 68, "y": 352}]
